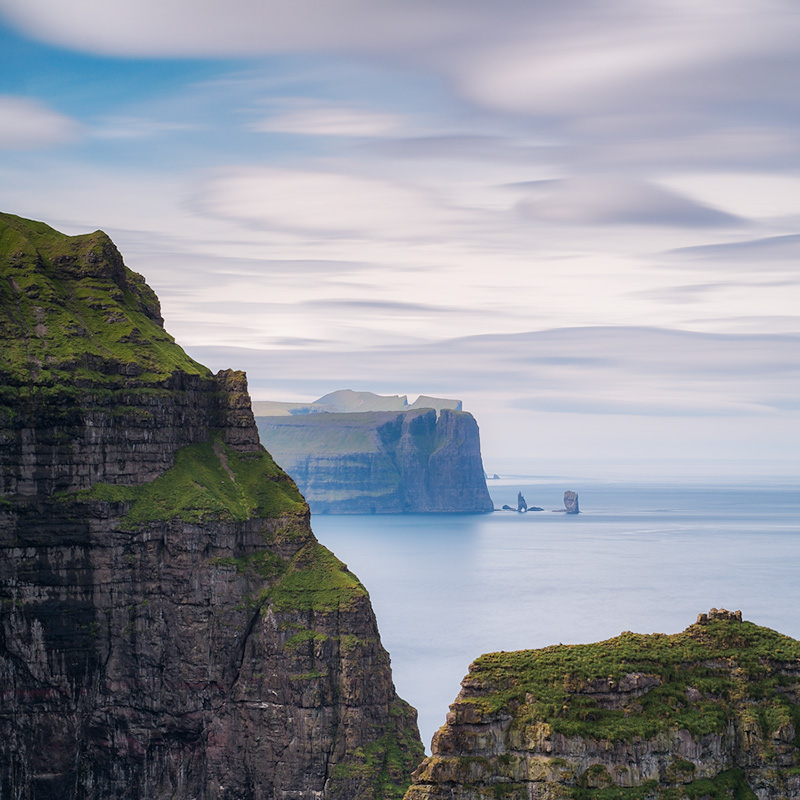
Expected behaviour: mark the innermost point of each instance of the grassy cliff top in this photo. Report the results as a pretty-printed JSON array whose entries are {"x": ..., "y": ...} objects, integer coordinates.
[
  {"x": 695, "y": 680},
  {"x": 70, "y": 310}
]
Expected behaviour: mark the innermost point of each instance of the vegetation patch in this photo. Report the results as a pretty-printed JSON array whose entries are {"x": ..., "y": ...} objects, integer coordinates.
[
  {"x": 198, "y": 488},
  {"x": 706, "y": 676},
  {"x": 384, "y": 765},
  {"x": 73, "y": 312},
  {"x": 315, "y": 581},
  {"x": 303, "y": 636}
]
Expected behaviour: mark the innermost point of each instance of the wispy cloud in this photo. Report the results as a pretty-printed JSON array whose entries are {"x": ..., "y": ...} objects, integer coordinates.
[
  {"x": 762, "y": 252},
  {"x": 136, "y": 128},
  {"x": 608, "y": 200},
  {"x": 27, "y": 124},
  {"x": 620, "y": 370},
  {"x": 331, "y": 121},
  {"x": 316, "y": 202}
]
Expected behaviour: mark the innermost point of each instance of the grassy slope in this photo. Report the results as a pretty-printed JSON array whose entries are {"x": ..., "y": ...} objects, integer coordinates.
[
  {"x": 728, "y": 663},
  {"x": 69, "y": 307}
]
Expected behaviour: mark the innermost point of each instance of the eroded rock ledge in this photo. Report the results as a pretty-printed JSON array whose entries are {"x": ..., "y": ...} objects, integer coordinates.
[{"x": 712, "y": 712}]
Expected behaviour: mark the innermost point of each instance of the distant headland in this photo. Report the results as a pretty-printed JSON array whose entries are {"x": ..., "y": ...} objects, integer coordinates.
[{"x": 362, "y": 453}]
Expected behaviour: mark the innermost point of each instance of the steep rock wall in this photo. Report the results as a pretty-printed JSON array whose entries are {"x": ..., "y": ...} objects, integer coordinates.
[
  {"x": 382, "y": 462},
  {"x": 713, "y": 712},
  {"x": 169, "y": 625}
]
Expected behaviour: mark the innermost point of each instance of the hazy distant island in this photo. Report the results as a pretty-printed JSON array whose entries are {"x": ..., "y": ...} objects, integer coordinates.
[{"x": 363, "y": 453}]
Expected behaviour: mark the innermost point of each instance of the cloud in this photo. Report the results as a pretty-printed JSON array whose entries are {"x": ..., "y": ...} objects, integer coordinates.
[
  {"x": 627, "y": 61},
  {"x": 386, "y": 307},
  {"x": 323, "y": 203},
  {"x": 247, "y": 27},
  {"x": 620, "y": 371},
  {"x": 767, "y": 251},
  {"x": 27, "y": 124},
  {"x": 674, "y": 143},
  {"x": 136, "y": 128},
  {"x": 599, "y": 200},
  {"x": 532, "y": 58},
  {"x": 331, "y": 122}
]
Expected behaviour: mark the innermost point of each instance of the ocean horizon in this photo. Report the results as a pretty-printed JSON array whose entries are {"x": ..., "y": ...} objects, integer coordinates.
[{"x": 641, "y": 556}]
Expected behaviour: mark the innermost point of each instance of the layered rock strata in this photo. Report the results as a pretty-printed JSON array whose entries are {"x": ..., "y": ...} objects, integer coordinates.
[
  {"x": 382, "y": 461},
  {"x": 169, "y": 625},
  {"x": 713, "y": 712}
]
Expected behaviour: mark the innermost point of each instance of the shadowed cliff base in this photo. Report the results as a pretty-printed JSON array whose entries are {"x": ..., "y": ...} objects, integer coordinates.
[
  {"x": 169, "y": 625},
  {"x": 713, "y": 712}
]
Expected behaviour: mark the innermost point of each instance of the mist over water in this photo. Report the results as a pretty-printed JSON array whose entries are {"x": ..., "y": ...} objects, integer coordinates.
[{"x": 644, "y": 557}]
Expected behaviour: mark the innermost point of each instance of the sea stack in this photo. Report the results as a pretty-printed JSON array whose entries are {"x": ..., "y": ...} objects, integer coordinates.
[{"x": 571, "y": 502}]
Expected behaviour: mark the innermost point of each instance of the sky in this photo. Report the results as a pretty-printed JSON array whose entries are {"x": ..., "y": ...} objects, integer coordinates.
[{"x": 582, "y": 219}]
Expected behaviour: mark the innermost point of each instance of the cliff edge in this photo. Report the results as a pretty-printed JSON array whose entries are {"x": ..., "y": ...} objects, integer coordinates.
[
  {"x": 713, "y": 712},
  {"x": 412, "y": 460},
  {"x": 169, "y": 625}
]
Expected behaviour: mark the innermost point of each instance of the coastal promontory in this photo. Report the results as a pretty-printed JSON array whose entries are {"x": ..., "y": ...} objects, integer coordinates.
[
  {"x": 169, "y": 625},
  {"x": 361, "y": 453},
  {"x": 709, "y": 713}
]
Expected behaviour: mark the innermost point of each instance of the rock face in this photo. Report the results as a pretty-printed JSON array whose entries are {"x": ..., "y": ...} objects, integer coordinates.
[
  {"x": 713, "y": 712},
  {"x": 169, "y": 625},
  {"x": 571, "y": 502},
  {"x": 382, "y": 461}
]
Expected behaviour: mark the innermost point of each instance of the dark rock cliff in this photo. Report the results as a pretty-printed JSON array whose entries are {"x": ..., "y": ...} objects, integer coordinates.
[
  {"x": 713, "y": 712},
  {"x": 169, "y": 626},
  {"x": 382, "y": 461}
]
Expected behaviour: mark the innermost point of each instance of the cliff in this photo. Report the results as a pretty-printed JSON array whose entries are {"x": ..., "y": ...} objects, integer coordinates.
[
  {"x": 169, "y": 625},
  {"x": 713, "y": 712},
  {"x": 382, "y": 461}
]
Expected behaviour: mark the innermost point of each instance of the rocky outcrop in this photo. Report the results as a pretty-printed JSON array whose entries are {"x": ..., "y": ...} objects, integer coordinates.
[
  {"x": 169, "y": 625},
  {"x": 382, "y": 461},
  {"x": 571, "y": 502},
  {"x": 713, "y": 712}
]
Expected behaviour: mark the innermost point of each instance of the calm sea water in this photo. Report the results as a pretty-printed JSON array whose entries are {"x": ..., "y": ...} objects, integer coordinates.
[{"x": 644, "y": 557}]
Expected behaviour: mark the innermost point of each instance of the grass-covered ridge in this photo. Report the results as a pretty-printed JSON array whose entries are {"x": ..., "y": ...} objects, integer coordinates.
[
  {"x": 71, "y": 311},
  {"x": 209, "y": 481},
  {"x": 703, "y": 678}
]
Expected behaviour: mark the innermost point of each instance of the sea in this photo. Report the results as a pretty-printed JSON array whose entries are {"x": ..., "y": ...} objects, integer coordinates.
[{"x": 643, "y": 557}]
